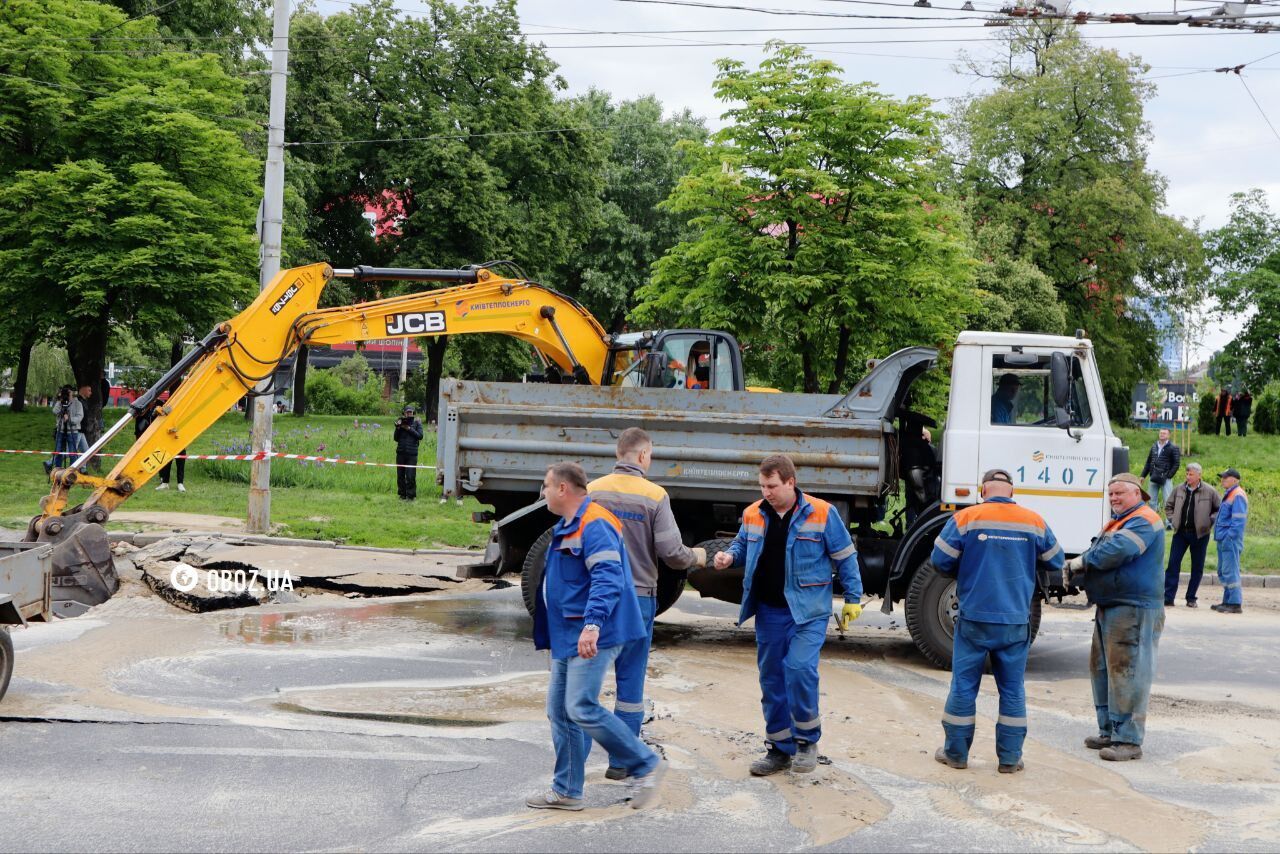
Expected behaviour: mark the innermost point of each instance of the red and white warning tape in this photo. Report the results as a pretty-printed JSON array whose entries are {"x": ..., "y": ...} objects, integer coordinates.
[{"x": 246, "y": 458}]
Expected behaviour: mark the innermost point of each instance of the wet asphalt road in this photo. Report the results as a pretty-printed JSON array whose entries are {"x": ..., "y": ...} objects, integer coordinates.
[{"x": 257, "y": 774}]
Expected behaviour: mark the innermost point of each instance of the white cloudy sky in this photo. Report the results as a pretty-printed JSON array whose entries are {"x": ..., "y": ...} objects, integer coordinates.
[{"x": 1208, "y": 137}]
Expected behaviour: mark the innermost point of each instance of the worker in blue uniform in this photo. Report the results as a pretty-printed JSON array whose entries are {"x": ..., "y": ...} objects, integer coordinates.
[
  {"x": 994, "y": 549},
  {"x": 789, "y": 543},
  {"x": 1124, "y": 577},
  {"x": 1228, "y": 533}
]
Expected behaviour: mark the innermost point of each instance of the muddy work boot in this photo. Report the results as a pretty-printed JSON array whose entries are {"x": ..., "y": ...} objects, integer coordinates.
[
  {"x": 1012, "y": 769},
  {"x": 612, "y": 773},
  {"x": 806, "y": 758},
  {"x": 1097, "y": 742},
  {"x": 1227, "y": 609},
  {"x": 1119, "y": 751},
  {"x": 941, "y": 756},
  {"x": 771, "y": 763},
  {"x": 553, "y": 800}
]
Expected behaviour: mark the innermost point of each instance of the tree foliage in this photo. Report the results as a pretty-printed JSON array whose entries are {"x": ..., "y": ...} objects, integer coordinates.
[
  {"x": 1246, "y": 256},
  {"x": 1055, "y": 157},
  {"x": 819, "y": 237}
]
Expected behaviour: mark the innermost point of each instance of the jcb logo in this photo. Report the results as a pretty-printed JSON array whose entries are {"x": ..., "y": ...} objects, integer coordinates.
[
  {"x": 284, "y": 298},
  {"x": 416, "y": 323}
]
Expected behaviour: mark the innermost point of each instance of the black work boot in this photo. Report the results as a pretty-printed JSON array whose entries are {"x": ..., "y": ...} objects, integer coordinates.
[
  {"x": 614, "y": 773},
  {"x": 806, "y": 758},
  {"x": 1097, "y": 742},
  {"x": 941, "y": 756},
  {"x": 1121, "y": 751},
  {"x": 1011, "y": 769},
  {"x": 1227, "y": 609},
  {"x": 771, "y": 763}
]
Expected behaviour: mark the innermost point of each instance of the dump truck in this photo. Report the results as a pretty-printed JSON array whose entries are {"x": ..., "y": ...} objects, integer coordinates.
[
  {"x": 1031, "y": 404},
  {"x": 26, "y": 595}
]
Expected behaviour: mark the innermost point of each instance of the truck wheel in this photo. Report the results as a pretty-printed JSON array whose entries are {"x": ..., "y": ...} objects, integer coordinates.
[
  {"x": 932, "y": 606},
  {"x": 931, "y": 614},
  {"x": 535, "y": 561},
  {"x": 670, "y": 586},
  {"x": 6, "y": 660}
]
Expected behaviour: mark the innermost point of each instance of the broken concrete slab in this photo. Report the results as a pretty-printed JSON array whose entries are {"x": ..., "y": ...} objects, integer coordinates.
[{"x": 186, "y": 587}]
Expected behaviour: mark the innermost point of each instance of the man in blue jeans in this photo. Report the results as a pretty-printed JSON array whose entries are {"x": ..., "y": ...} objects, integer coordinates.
[
  {"x": 994, "y": 550},
  {"x": 651, "y": 534},
  {"x": 790, "y": 543},
  {"x": 586, "y": 612}
]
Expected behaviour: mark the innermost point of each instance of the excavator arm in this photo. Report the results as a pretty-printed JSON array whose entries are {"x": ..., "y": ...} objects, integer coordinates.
[{"x": 241, "y": 354}]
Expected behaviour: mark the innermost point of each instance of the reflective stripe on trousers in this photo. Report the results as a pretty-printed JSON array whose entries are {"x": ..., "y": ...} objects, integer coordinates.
[
  {"x": 1007, "y": 646},
  {"x": 1229, "y": 553},
  {"x": 787, "y": 654}
]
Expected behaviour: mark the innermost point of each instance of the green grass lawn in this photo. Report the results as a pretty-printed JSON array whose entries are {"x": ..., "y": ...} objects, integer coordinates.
[
  {"x": 353, "y": 504},
  {"x": 1258, "y": 459}
]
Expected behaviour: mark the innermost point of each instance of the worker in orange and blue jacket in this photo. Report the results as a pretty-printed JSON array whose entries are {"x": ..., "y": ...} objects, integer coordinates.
[
  {"x": 1228, "y": 533},
  {"x": 586, "y": 613},
  {"x": 994, "y": 549},
  {"x": 1124, "y": 577},
  {"x": 789, "y": 543}
]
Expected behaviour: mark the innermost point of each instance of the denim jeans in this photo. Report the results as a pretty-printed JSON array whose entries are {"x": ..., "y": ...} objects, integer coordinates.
[
  {"x": 1182, "y": 542},
  {"x": 787, "y": 654},
  {"x": 573, "y": 707},
  {"x": 1122, "y": 663},
  {"x": 1160, "y": 493},
  {"x": 1007, "y": 646}
]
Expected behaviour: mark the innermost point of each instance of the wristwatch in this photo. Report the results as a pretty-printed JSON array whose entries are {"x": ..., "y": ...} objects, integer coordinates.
[{"x": 591, "y": 627}]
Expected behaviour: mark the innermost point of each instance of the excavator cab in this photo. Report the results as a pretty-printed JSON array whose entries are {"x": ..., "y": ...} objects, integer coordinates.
[{"x": 692, "y": 359}]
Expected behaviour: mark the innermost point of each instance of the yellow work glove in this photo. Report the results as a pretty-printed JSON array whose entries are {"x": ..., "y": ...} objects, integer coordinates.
[
  {"x": 849, "y": 613},
  {"x": 699, "y": 556}
]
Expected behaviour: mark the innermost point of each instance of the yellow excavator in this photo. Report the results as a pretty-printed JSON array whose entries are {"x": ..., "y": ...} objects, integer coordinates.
[{"x": 242, "y": 354}]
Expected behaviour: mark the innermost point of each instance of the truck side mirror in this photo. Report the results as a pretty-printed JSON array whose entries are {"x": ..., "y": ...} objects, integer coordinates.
[{"x": 1060, "y": 383}]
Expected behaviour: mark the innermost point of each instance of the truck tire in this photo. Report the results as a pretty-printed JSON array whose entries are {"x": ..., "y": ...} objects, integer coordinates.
[
  {"x": 6, "y": 660},
  {"x": 931, "y": 613},
  {"x": 670, "y": 581},
  {"x": 535, "y": 560}
]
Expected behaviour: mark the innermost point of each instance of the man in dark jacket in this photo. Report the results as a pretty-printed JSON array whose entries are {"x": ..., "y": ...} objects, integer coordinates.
[
  {"x": 408, "y": 435},
  {"x": 1241, "y": 408},
  {"x": 1193, "y": 510},
  {"x": 1163, "y": 461}
]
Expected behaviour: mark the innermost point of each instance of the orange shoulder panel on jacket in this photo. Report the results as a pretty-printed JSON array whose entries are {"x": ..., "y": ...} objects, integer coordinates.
[
  {"x": 819, "y": 510},
  {"x": 596, "y": 511},
  {"x": 1145, "y": 512},
  {"x": 998, "y": 512},
  {"x": 753, "y": 513}
]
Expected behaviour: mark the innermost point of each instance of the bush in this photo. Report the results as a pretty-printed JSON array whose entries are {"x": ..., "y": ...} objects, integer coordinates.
[
  {"x": 1204, "y": 415},
  {"x": 327, "y": 395},
  {"x": 1266, "y": 410}
]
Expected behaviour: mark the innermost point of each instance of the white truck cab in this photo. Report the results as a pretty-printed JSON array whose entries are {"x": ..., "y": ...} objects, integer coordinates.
[{"x": 1032, "y": 405}]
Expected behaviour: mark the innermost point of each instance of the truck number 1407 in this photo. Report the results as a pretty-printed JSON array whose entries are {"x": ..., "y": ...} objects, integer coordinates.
[{"x": 1067, "y": 477}]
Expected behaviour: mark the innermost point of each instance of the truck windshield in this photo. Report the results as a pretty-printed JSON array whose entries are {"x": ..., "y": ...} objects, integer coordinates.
[{"x": 1021, "y": 395}]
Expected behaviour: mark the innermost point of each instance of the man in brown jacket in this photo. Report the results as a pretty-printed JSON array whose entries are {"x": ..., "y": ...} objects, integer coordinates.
[{"x": 1191, "y": 509}]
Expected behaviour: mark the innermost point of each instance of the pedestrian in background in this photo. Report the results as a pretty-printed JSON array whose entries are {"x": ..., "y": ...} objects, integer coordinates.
[
  {"x": 408, "y": 434},
  {"x": 1222, "y": 411},
  {"x": 1122, "y": 572},
  {"x": 1163, "y": 461},
  {"x": 1242, "y": 408},
  {"x": 650, "y": 531},
  {"x": 994, "y": 550},
  {"x": 68, "y": 409},
  {"x": 789, "y": 543},
  {"x": 586, "y": 612},
  {"x": 1229, "y": 533},
  {"x": 1193, "y": 510}
]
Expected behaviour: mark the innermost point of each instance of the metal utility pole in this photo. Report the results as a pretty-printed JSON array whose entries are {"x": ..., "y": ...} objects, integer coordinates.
[
  {"x": 404, "y": 360},
  {"x": 259, "y": 519}
]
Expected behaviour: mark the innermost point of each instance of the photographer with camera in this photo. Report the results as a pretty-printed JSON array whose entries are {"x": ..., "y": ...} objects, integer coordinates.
[
  {"x": 408, "y": 435},
  {"x": 68, "y": 412}
]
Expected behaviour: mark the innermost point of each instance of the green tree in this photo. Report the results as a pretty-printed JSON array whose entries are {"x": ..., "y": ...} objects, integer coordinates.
[
  {"x": 645, "y": 160},
  {"x": 126, "y": 191},
  {"x": 50, "y": 371},
  {"x": 1246, "y": 257},
  {"x": 1055, "y": 156},
  {"x": 819, "y": 237}
]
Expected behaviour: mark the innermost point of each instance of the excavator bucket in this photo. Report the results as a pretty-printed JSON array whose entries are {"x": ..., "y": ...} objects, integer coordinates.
[{"x": 84, "y": 574}]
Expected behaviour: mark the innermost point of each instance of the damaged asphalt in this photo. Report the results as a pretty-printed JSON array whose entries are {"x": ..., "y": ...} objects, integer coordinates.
[{"x": 341, "y": 722}]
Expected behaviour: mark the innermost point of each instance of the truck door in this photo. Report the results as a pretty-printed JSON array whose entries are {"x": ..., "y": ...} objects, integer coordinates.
[{"x": 1059, "y": 473}]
